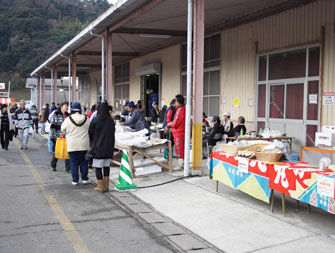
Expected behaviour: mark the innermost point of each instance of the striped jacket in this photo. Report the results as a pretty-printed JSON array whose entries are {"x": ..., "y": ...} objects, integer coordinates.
[{"x": 22, "y": 118}]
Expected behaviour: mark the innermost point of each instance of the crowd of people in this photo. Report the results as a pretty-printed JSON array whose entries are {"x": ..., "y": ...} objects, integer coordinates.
[{"x": 90, "y": 136}]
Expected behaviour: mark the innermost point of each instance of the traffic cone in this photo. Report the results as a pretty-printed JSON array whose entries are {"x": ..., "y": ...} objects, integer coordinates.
[{"x": 125, "y": 179}]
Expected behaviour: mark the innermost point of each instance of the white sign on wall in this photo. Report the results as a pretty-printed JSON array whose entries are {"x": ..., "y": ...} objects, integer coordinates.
[
  {"x": 313, "y": 98},
  {"x": 325, "y": 186},
  {"x": 328, "y": 98},
  {"x": 2, "y": 86}
]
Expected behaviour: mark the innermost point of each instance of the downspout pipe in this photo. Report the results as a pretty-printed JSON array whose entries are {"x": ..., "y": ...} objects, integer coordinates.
[
  {"x": 102, "y": 63},
  {"x": 52, "y": 83},
  {"x": 69, "y": 73},
  {"x": 189, "y": 89}
]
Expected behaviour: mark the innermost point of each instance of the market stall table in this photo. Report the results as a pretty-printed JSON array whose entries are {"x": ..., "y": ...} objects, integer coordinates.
[
  {"x": 142, "y": 150},
  {"x": 301, "y": 181},
  {"x": 286, "y": 139}
]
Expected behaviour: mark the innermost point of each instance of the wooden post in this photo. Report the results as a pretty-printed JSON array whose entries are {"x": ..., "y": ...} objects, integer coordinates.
[
  {"x": 43, "y": 90},
  {"x": 272, "y": 199},
  {"x": 39, "y": 104},
  {"x": 131, "y": 161},
  {"x": 109, "y": 69},
  {"x": 198, "y": 82},
  {"x": 55, "y": 85},
  {"x": 74, "y": 78}
]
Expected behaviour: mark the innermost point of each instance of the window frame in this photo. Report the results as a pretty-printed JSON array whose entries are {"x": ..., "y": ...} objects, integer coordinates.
[{"x": 305, "y": 80}]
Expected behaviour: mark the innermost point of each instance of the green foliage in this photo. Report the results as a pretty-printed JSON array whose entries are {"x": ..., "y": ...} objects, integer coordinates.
[{"x": 32, "y": 30}]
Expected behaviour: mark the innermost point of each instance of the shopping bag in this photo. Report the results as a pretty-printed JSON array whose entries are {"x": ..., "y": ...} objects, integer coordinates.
[
  {"x": 50, "y": 146},
  {"x": 61, "y": 149},
  {"x": 31, "y": 132},
  {"x": 47, "y": 127}
]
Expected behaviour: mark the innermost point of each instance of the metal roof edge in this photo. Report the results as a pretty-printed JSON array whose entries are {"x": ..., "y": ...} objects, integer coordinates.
[{"x": 121, "y": 4}]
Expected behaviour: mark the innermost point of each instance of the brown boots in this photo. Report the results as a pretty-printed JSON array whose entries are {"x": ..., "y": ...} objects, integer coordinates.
[
  {"x": 106, "y": 184},
  {"x": 100, "y": 186},
  {"x": 103, "y": 185}
]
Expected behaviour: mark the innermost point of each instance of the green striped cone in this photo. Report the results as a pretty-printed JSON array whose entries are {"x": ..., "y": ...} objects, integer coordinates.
[{"x": 125, "y": 179}]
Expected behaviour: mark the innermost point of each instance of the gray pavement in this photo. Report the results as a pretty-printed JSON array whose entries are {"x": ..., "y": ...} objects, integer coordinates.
[{"x": 32, "y": 213}]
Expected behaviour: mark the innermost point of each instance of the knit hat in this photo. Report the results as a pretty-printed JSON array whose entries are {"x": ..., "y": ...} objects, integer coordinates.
[
  {"x": 131, "y": 104},
  {"x": 76, "y": 107}
]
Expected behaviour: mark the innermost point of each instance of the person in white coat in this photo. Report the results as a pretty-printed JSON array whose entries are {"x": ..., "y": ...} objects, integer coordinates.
[{"x": 75, "y": 127}]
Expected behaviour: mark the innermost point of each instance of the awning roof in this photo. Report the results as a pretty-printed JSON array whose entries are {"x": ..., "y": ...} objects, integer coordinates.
[{"x": 158, "y": 18}]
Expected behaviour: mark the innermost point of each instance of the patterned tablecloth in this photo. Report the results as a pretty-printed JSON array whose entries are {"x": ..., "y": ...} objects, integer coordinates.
[{"x": 297, "y": 180}]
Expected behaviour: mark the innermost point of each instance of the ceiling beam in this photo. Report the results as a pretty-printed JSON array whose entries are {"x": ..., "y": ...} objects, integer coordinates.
[
  {"x": 149, "y": 5},
  {"x": 84, "y": 65},
  {"x": 151, "y": 31},
  {"x": 98, "y": 53}
]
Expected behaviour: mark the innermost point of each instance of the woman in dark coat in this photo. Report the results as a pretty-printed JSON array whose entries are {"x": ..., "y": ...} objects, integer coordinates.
[{"x": 102, "y": 139}]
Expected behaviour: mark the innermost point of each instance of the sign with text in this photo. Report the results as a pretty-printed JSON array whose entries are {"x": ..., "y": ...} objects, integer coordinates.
[
  {"x": 3, "y": 94},
  {"x": 2, "y": 86},
  {"x": 243, "y": 165},
  {"x": 313, "y": 98},
  {"x": 328, "y": 98},
  {"x": 325, "y": 186}
]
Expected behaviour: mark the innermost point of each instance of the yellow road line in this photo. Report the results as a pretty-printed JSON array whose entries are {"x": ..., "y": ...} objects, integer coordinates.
[{"x": 70, "y": 231}]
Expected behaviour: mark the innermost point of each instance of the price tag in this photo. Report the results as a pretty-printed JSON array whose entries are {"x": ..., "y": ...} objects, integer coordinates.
[
  {"x": 243, "y": 165},
  {"x": 325, "y": 186}
]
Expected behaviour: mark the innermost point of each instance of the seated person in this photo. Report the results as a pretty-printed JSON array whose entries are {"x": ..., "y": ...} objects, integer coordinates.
[
  {"x": 240, "y": 126},
  {"x": 136, "y": 120},
  {"x": 204, "y": 122},
  {"x": 228, "y": 125},
  {"x": 215, "y": 134},
  {"x": 125, "y": 113}
]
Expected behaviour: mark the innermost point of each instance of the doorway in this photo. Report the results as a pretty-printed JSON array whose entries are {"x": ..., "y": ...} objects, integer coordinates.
[{"x": 149, "y": 92}]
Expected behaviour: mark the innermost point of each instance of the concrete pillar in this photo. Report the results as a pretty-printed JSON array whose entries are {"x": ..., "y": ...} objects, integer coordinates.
[
  {"x": 198, "y": 82},
  {"x": 74, "y": 78},
  {"x": 43, "y": 90},
  {"x": 55, "y": 85},
  {"x": 109, "y": 70},
  {"x": 38, "y": 99}
]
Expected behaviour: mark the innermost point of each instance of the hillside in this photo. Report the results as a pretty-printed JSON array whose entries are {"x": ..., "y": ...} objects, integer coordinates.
[{"x": 31, "y": 30}]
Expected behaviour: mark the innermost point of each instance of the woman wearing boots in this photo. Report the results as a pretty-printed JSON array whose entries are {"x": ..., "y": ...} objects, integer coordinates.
[{"x": 102, "y": 138}]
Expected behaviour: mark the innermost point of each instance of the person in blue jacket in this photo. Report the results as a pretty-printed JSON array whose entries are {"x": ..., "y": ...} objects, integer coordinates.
[{"x": 136, "y": 120}]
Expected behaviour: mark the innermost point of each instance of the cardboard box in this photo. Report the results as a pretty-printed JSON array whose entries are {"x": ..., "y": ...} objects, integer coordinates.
[
  {"x": 325, "y": 139},
  {"x": 328, "y": 129}
]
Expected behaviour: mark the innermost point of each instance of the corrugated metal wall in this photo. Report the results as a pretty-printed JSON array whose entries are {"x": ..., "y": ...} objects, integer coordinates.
[{"x": 288, "y": 29}]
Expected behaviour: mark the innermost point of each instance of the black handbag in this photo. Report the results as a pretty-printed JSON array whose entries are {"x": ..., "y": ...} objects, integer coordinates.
[
  {"x": 89, "y": 155},
  {"x": 11, "y": 135}
]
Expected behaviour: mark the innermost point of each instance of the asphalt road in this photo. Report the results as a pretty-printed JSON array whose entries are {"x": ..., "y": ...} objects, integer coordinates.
[{"x": 40, "y": 211}]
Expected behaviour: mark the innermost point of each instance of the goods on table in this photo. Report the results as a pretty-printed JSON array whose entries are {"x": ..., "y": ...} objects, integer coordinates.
[
  {"x": 267, "y": 133},
  {"x": 233, "y": 147},
  {"x": 247, "y": 154},
  {"x": 269, "y": 156}
]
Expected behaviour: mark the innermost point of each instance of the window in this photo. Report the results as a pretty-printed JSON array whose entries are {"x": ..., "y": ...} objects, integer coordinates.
[
  {"x": 211, "y": 92},
  {"x": 288, "y": 92},
  {"x": 121, "y": 86},
  {"x": 287, "y": 65}
]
